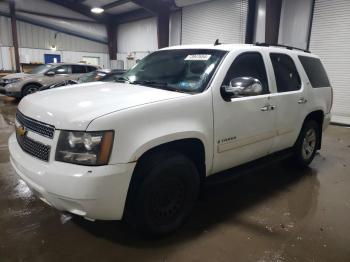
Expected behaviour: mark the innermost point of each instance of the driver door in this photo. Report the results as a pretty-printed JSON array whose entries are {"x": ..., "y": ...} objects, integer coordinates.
[{"x": 243, "y": 125}]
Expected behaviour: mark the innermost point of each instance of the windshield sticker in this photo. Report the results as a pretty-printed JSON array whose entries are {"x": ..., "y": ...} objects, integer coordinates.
[{"x": 198, "y": 57}]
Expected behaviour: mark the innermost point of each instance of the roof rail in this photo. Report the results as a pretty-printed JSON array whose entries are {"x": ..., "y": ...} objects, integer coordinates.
[{"x": 285, "y": 46}]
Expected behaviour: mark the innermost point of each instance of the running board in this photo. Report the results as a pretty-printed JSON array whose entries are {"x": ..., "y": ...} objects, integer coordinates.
[{"x": 235, "y": 172}]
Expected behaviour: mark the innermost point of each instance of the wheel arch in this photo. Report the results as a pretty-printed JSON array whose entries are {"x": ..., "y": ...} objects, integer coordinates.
[
  {"x": 30, "y": 83},
  {"x": 318, "y": 117},
  {"x": 186, "y": 146},
  {"x": 192, "y": 147}
]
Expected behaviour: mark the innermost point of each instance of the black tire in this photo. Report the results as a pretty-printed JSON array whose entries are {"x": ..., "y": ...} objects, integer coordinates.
[
  {"x": 162, "y": 194},
  {"x": 29, "y": 89},
  {"x": 306, "y": 146}
]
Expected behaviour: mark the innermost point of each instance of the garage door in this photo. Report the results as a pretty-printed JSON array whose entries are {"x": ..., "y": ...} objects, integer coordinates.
[
  {"x": 330, "y": 38},
  {"x": 220, "y": 19}
]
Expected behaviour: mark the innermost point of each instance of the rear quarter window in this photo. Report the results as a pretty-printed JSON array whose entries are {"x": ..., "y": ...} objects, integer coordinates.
[
  {"x": 90, "y": 68},
  {"x": 315, "y": 71}
]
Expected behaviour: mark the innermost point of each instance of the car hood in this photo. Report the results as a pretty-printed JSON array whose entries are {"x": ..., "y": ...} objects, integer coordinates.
[
  {"x": 74, "y": 107},
  {"x": 17, "y": 75}
]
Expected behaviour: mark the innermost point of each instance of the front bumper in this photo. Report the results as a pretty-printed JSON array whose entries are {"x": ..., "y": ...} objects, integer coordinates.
[
  {"x": 13, "y": 90},
  {"x": 5, "y": 92},
  {"x": 92, "y": 192}
]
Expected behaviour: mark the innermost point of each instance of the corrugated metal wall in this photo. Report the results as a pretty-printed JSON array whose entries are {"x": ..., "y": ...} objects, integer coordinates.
[
  {"x": 295, "y": 22},
  {"x": 330, "y": 38},
  {"x": 5, "y": 31},
  {"x": 221, "y": 19},
  {"x": 136, "y": 39},
  {"x": 35, "y": 41},
  {"x": 33, "y": 36}
]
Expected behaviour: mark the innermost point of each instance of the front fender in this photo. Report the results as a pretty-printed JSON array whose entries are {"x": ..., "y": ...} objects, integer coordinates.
[{"x": 167, "y": 139}]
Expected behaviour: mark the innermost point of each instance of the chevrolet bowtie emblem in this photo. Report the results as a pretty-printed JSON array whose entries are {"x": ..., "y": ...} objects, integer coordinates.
[{"x": 21, "y": 131}]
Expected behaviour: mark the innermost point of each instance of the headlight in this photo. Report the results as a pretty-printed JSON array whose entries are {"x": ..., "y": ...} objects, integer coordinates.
[
  {"x": 11, "y": 81},
  {"x": 85, "y": 148}
]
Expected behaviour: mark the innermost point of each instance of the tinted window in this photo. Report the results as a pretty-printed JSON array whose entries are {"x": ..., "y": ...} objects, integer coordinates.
[
  {"x": 78, "y": 69},
  {"x": 113, "y": 76},
  {"x": 286, "y": 74},
  {"x": 62, "y": 70},
  {"x": 90, "y": 68},
  {"x": 248, "y": 65},
  {"x": 315, "y": 71}
]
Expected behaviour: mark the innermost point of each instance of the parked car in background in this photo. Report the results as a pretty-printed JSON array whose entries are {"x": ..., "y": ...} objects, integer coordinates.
[
  {"x": 21, "y": 84},
  {"x": 105, "y": 75}
]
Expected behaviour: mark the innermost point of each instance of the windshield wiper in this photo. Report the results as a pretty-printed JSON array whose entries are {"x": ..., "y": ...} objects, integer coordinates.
[
  {"x": 149, "y": 82},
  {"x": 161, "y": 85},
  {"x": 122, "y": 79}
]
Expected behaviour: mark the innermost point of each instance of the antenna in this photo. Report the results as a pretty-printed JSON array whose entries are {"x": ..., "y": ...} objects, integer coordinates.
[{"x": 217, "y": 42}]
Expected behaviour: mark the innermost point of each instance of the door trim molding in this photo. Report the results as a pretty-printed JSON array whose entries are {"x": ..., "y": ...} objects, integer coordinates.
[{"x": 245, "y": 141}]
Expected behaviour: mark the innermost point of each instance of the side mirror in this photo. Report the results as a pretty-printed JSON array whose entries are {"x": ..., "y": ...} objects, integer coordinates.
[
  {"x": 50, "y": 73},
  {"x": 242, "y": 86}
]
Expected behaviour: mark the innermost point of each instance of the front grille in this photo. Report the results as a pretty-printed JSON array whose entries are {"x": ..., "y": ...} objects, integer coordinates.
[
  {"x": 35, "y": 126},
  {"x": 34, "y": 148}
]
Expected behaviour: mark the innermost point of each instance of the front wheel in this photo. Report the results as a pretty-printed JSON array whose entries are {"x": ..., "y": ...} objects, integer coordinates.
[
  {"x": 164, "y": 192},
  {"x": 307, "y": 143},
  {"x": 30, "y": 89}
]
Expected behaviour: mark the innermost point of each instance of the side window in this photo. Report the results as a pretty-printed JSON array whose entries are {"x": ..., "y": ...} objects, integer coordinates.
[
  {"x": 90, "y": 68},
  {"x": 248, "y": 65},
  {"x": 62, "y": 70},
  {"x": 315, "y": 71},
  {"x": 78, "y": 69},
  {"x": 286, "y": 74}
]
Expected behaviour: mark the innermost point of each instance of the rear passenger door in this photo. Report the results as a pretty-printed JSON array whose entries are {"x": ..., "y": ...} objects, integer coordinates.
[
  {"x": 77, "y": 71},
  {"x": 289, "y": 100}
]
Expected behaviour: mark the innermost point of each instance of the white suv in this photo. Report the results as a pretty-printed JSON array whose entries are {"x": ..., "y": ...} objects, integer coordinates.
[{"x": 140, "y": 149}]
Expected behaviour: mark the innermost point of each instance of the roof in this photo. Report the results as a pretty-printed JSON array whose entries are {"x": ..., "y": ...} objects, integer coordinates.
[
  {"x": 233, "y": 47},
  {"x": 62, "y": 63}
]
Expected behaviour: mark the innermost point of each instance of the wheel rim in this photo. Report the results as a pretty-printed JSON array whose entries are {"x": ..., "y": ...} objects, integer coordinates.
[
  {"x": 167, "y": 201},
  {"x": 31, "y": 90},
  {"x": 309, "y": 143}
]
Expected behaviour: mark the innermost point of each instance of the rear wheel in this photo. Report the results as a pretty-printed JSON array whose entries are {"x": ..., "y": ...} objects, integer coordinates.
[
  {"x": 163, "y": 193},
  {"x": 307, "y": 143},
  {"x": 30, "y": 89}
]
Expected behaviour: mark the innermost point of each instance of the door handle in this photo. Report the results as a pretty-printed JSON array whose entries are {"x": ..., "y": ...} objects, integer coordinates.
[
  {"x": 273, "y": 107},
  {"x": 265, "y": 108},
  {"x": 302, "y": 100}
]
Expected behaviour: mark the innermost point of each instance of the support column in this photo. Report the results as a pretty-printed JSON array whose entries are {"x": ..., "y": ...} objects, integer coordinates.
[
  {"x": 112, "y": 44},
  {"x": 273, "y": 15},
  {"x": 249, "y": 34},
  {"x": 163, "y": 18},
  {"x": 14, "y": 35}
]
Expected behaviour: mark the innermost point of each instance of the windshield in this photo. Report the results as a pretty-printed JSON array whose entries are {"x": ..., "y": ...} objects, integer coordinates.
[
  {"x": 92, "y": 77},
  {"x": 114, "y": 76},
  {"x": 182, "y": 70},
  {"x": 41, "y": 69}
]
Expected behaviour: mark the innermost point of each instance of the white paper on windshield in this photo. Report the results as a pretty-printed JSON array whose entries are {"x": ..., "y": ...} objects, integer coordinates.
[{"x": 198, "y": 57}]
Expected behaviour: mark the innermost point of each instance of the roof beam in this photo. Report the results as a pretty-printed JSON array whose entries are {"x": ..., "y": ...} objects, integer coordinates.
[
  {"x": 82, "y": 9},
  {"x": 114, "y": 4},
  {"x": 132, "y": 16},
  {"x": 149, "y": 5},
  {"x": 54, "y": 16}
]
